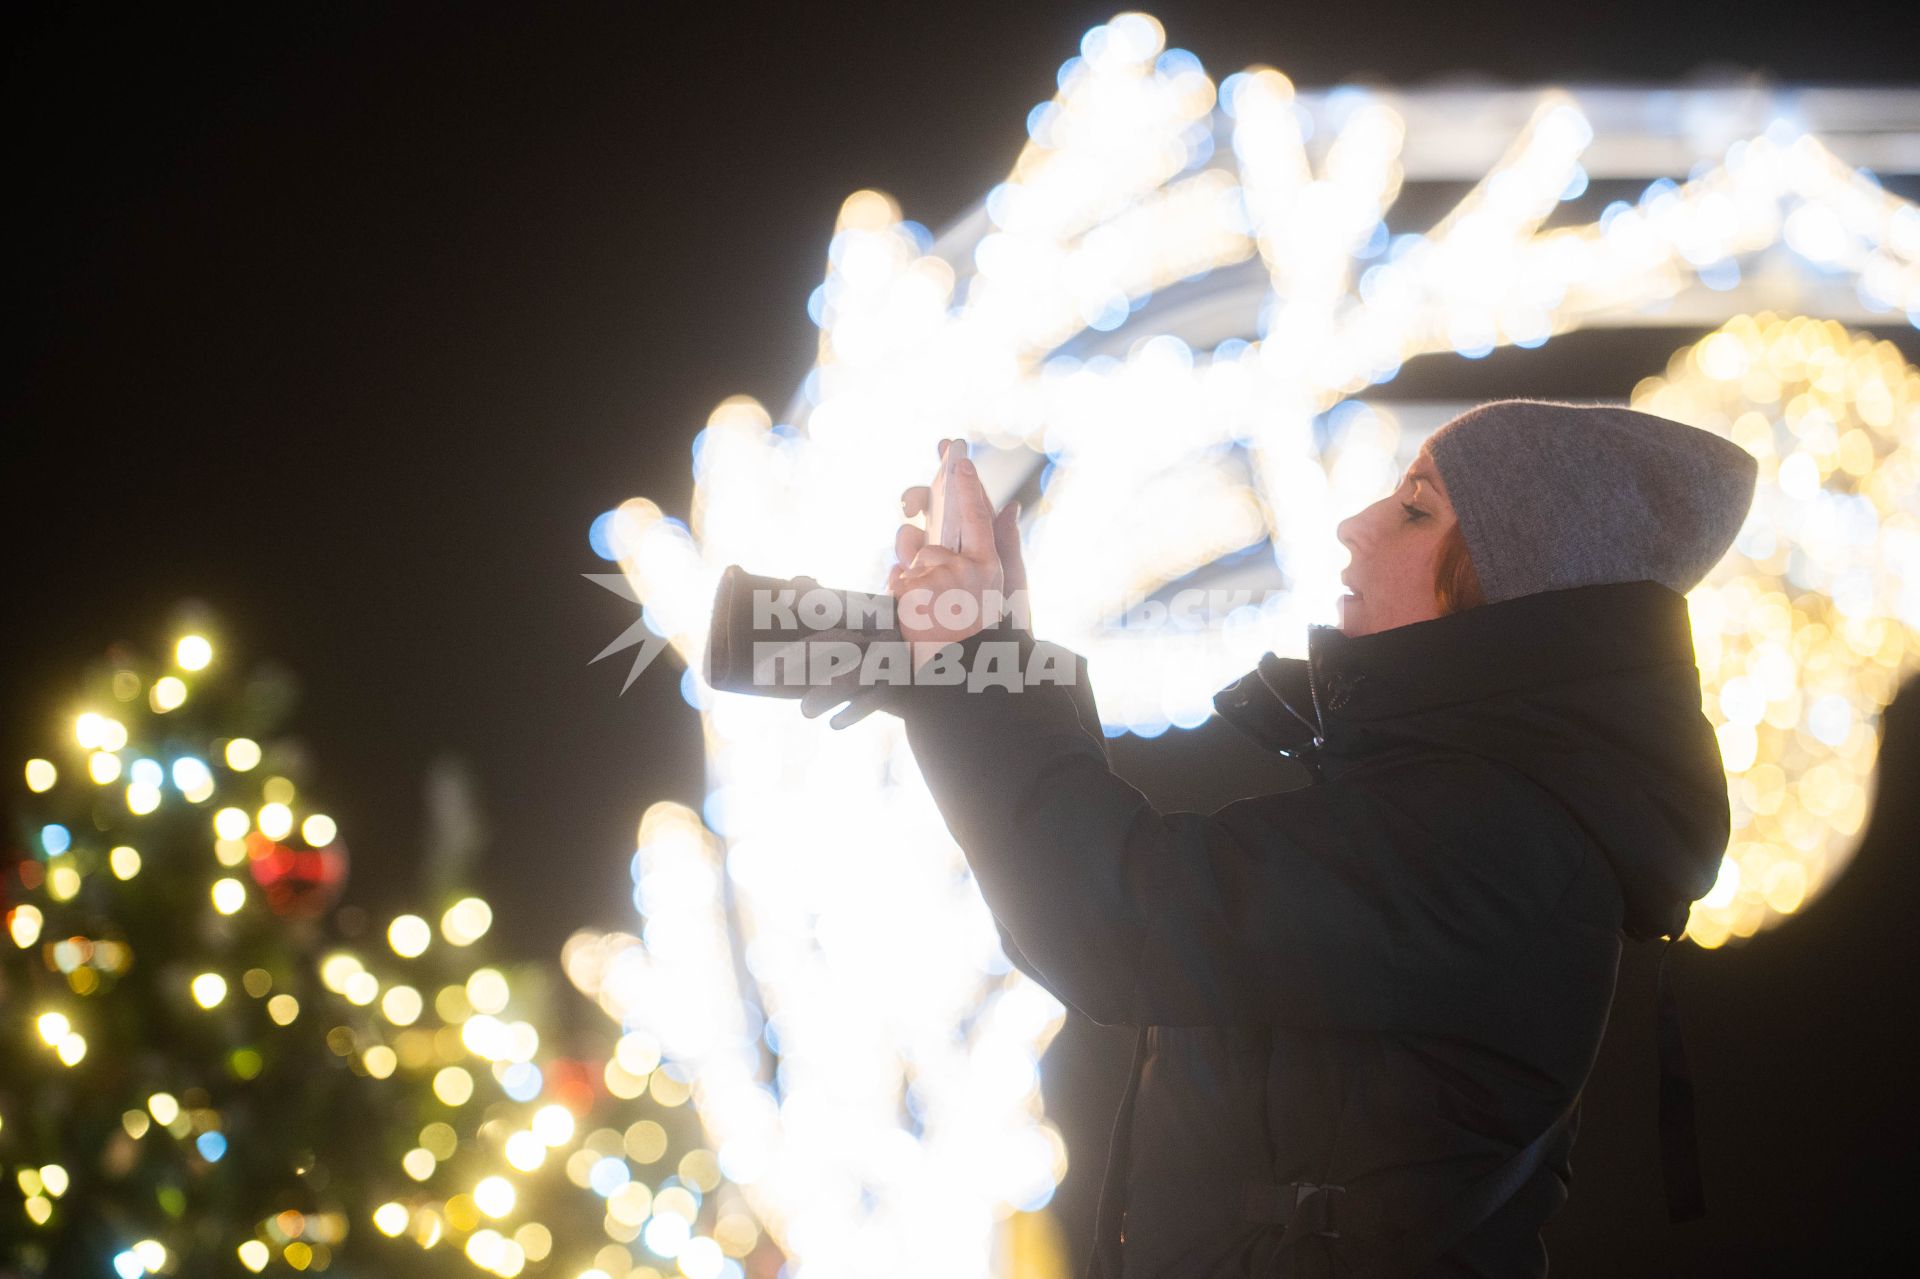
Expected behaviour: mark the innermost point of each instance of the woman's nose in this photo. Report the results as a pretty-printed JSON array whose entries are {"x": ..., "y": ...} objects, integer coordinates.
[{"x": 1345, "y": 530}]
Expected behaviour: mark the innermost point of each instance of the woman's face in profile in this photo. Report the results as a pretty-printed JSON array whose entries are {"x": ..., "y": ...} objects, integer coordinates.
[{"x": 1395, "y": 545}]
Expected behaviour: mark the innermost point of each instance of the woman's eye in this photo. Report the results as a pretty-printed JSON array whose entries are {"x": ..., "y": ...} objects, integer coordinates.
[{"x": 1413, "y": 512}]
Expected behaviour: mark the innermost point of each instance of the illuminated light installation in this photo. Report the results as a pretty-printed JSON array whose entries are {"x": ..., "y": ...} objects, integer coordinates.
[
  {"x": 1171, "y": 307},
  {"x": 1805, "y": 629}
]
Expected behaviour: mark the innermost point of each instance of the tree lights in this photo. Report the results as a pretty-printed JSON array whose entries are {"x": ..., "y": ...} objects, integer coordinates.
[{"x": 210, "y": 1070}]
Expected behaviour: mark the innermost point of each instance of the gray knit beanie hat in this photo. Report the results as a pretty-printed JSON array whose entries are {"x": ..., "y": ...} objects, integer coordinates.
[{"x": 1551, "y": 496}]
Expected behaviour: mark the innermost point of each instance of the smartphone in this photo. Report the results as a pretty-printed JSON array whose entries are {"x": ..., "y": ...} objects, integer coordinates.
[{"x": 943, "y": 507}]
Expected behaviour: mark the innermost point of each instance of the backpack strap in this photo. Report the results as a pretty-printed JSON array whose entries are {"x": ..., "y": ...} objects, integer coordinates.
[{"x": 1679, "y": 1134}]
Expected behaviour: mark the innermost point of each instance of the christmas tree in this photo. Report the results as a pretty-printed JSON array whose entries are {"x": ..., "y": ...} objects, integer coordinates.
[{"x": 213, "y": 1069}]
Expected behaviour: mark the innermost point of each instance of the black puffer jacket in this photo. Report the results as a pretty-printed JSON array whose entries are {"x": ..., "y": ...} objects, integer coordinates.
[{"x": 1390, "y": 980}]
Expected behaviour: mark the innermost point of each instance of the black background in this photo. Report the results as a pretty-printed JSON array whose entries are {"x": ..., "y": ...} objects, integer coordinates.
[{"x": 348, "y": 320}]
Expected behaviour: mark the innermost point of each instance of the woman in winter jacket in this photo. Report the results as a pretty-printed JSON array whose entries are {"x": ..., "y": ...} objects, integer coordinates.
[{"x": 1366, "y": 1007}]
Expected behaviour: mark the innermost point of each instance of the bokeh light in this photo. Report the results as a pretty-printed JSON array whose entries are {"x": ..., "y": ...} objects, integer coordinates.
[
  {"x": 466, "y": 921},
  {"x": 1806, "y": 629},
  {"x": 409, "y": 935}
]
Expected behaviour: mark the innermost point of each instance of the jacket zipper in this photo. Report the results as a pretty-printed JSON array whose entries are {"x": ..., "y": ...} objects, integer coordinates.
[{"x": 1319, "y": 720}]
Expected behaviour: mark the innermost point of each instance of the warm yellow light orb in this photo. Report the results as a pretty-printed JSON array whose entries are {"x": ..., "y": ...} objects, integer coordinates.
[
  {"x": 409, "y": 935},
  {"x": 113, "y": 734},
  {"x": 631, "y": 1204},
  {"x": 124, "y": 861},
  {"x": 232, "y": 823},
  {"x": 103, "y": 767},
  {"x": 466, "y": 921},
  {"x": 243, "y": 754},
  {"x": 525, "y": 1151},
  {"x": 274, "y": 820},
  {"x": 319, "y": 830},
  {"x": 229, "y": 895},
  {"x": 638, "y": 1053},
  {"x": 451, "y": 1003},
  {"x": 209, "y": 989},
  {"x": 391, "y": 1218},
  {"x": 535, "y": 1240},
  {"x": 336, "y": 969},
  {"x": 41, "y": 775},
  {"x": 645, "y": 1141},
  {"x": 453, "y": 1085},
  {"x": 254, "y": 1255},
  {"x": 494, "y": 1252},
  {"x": 494, "y": 1196},
  {"x": 169, "y": 693},
  {"x": 361, "y": 988},
  {"x": 24, "y": 923},
  {"x": 485, "y": 1038},
  {"x": 53, "y": 1027},
  {"x": 553, "y": 1124},
  {"x": 192, "y": 653},
  {"x": 440, "y": 1139},
  {"x": 89, "y": 730},
  {"x": 487, "y": 990},
  {"x": 63, "y": 882},
  {"x": 402, "y": 1005}
]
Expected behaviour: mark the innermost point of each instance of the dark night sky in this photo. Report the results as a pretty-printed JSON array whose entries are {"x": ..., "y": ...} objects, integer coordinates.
[{"x": 348, "y": 320}]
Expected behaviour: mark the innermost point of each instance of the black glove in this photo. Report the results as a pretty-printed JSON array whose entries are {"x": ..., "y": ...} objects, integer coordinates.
[{"x": 734, "y": 641}]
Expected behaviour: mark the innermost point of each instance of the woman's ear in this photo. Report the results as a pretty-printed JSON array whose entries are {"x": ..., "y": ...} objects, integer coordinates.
[{"x": 1455, "y": 585}]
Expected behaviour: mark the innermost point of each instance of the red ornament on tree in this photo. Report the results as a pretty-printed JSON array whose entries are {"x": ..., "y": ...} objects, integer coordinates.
[{"x": 302, "y": 882}]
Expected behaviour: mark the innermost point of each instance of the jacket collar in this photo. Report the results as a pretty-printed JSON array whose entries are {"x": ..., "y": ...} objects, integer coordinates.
[{"x": 1524, "y": 643}]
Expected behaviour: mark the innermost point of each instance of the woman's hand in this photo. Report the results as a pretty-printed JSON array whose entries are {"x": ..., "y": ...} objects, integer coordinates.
[{"x": 941, "y": 595}]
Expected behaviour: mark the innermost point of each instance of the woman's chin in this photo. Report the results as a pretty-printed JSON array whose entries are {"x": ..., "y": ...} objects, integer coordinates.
[{"x": 1353, "y": 615}]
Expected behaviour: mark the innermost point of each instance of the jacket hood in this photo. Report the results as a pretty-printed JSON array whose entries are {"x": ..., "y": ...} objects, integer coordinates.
[{"x": 1590, "y": 692}]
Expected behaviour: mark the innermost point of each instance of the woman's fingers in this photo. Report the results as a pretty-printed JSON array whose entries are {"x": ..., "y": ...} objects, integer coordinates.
[
  {"x": 914, "y": 500},
  {"x": 976, "y": 511},
  {"x": 907, "y": 541},
  {"x": 933, "y": 556},
  {"x": 1006, "y": 540},
  {"x": 920, "y": 568}
]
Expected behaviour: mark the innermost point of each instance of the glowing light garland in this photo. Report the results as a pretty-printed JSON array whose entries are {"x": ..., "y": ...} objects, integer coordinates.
[{"x": 1170, "y": 306}]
